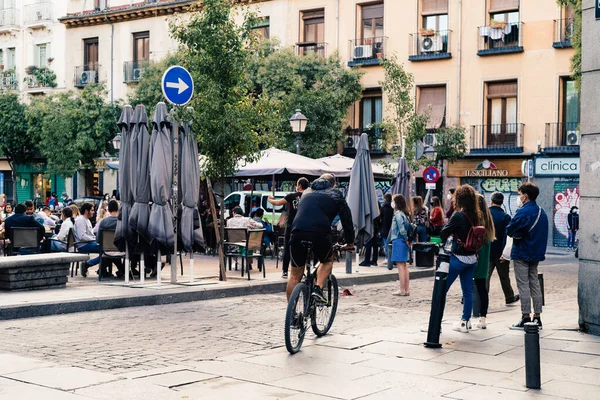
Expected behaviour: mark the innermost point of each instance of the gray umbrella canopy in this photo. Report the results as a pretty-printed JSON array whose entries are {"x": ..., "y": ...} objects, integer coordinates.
[
  {"x": 362, "y": 198},
  {"x": 402, "y": 183},
  {"x": 125, "y": 124},
  {"x": 190, "y": 189},
  {"x": 160, "y": 227},
  {"x": 140, "y": 180}
]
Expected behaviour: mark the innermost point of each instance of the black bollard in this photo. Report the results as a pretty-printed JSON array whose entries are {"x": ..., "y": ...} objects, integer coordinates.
[
  {"x": 438, "y": 302},
  {"x": 541, "y": 279},
  {"x": 532, "y": 356}
]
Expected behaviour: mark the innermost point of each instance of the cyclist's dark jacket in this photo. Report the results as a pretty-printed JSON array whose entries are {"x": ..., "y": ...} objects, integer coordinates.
[{"x": 318, "y": 208}]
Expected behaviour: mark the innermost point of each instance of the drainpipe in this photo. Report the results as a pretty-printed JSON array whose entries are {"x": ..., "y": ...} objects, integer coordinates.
[
  {"x": 112, "y": 58},
  {"x": 337, "y": 25},
  {"x": 459, "y": 56}
]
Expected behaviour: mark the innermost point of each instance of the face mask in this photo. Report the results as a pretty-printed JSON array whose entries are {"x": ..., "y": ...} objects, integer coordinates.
[
  {"x": 449, "y": 196},
  {"x": 519, "y": 203}
]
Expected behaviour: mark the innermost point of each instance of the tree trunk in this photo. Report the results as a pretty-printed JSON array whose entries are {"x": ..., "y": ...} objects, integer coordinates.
[
  {"x": 14, "y": 183},
  {"x": 219, "y": 228}
]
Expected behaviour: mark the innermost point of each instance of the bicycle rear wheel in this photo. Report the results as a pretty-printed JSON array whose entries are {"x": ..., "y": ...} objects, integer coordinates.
[
  {"x": 323, "y": 315},
  {"x": 295, "y": 319}
]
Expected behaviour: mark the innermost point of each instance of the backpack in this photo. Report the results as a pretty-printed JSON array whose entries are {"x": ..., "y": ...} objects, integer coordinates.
[{"x": 475, "y": 237}]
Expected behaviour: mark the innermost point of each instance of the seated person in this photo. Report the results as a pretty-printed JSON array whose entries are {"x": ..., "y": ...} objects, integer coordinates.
[
  {"x": 44, "y": 217},
  {"x": 65, "y": 227},
  {"x": 83, "y": 233},
  {"x": 21, "y": 220},
  {"x": 110, "y": 223},
  {"x": 239, "y": 221},
  {"x": 259, "y": 217}
]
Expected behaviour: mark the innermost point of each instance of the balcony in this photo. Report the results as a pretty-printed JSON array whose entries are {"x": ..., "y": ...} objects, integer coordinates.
[
  {"x": 305, "y": 48},
  {"x": 86, "y": 74},
  {"x": 429, "y": 45},
  {"x": 9, "y": 80},
  {"x": 37, "y": 15},
  {"x": 497, "y": 139},
  {"x": 562, "y": 138},
  {"x": 370, "y": 51},
  {"x": 563, "y": 32},
  {"x": 8, "y": 18},
  {"x": 133, "y": 70},
  {"x": 500, "y": 38},
  {"x": 353, "y": 138},
  {"x": 39, "y": 80}
]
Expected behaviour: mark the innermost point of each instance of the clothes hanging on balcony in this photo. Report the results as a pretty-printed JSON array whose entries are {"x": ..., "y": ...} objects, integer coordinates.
[{"x": 495, "y": 33}]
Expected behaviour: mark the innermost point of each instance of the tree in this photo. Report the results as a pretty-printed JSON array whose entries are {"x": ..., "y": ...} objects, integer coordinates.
[
  {"x": 230, "y": 121},
  {"x": 321, "y": 87},
  {"x": 73, "y": 129},
  {"x": 575, "y": 39},
  {"x": 15, "y": 142},
  {"x": 148, "y": 91}
]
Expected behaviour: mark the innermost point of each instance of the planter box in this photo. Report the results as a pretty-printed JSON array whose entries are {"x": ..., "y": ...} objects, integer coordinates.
[{"x": 37, "y": 271}]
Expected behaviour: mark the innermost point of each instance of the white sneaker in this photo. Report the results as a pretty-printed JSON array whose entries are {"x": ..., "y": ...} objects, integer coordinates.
[
  {"x": 482, "y": 323},
  {"x": 463, "y": 326}
]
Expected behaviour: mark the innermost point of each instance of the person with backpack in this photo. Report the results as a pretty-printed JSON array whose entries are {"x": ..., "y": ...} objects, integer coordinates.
[
  {"x": 529, "y": 230},
  {"x": 399, "y": 237},
  {"x": 483, "y": 262},
  {"x": 468, "y": 236}
]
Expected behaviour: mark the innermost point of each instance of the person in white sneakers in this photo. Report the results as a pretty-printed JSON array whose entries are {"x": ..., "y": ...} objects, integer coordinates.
[{"x": 483, "y": 262}]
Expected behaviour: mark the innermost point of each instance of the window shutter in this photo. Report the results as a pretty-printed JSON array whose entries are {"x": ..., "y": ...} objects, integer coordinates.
[
  {"x": 503, "y": 5},
  {"x": 434, "y": 97},
  {"x": 371, "y": 12},
  {"x": 502, "y": 90},
  {"x": 313, "y": 14},
  {"x": 434, "y": 7}
]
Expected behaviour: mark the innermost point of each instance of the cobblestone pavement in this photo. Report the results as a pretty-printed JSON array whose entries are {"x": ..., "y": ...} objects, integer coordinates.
[{"x": 134, "y": 339}]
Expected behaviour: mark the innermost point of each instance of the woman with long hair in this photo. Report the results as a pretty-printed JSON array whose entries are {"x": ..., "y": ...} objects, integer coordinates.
[
  {"x": 67, "y": 224},
  {"x": 436, "y": 219},
  {"x": 483, "y": 261},
  {"x": 420, "y": 217},
  {"x": 463, "y": 260},
  {"x": 75, "y": 210},
  {"x": 399, "y": 240}
]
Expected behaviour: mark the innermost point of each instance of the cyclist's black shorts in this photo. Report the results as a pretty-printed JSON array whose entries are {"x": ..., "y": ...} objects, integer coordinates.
[{"x": 321, "y": 247}]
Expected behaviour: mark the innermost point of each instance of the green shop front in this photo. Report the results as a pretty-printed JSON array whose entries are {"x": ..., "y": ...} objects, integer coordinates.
[{"x": 35, "y": 183}]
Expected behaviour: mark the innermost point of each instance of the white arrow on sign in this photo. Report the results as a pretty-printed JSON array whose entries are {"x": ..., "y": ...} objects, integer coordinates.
[{"x": 181, "y": 86}]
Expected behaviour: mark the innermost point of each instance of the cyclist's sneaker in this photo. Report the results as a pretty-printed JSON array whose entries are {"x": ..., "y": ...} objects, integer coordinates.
[{"x": 317, "y": 294}]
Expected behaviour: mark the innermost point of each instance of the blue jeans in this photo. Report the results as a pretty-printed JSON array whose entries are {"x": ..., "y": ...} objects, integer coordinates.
[
  {"x": 466, "y": 273},
  {"x": 384, "y": 243},
  {"x": 571, "y": 239},
  {"x": 57, "y": 246},
  {"x": 92, "y": 247},
  {"x": 421, "y": 233}
]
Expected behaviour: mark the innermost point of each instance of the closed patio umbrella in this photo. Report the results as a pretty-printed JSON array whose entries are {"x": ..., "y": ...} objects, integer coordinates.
[
  {"x": 125, "y": 124},
  {"x": 402, "y": 182}
]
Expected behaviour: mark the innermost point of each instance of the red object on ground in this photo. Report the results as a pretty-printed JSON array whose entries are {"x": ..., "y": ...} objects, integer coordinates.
[{"x": 346, "y": 292}]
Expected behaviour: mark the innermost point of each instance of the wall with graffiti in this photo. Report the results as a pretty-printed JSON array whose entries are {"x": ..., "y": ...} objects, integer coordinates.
[
  {"x": 507, "y": 186},
  {"x": 566, "y": 195}
]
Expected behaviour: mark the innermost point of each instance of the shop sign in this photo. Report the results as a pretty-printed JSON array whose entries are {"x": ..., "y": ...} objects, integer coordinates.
[
  {"x": 557, "y": 166},
  {"x": 486, "y": 168}
]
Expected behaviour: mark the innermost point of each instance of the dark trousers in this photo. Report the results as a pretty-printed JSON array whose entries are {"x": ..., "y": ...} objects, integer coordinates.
[
  {"x": 503, "y": 268},
  {"x": 484, "y": 298},
  {"x": 371, "y": 247},
  {"x": 286, "y": 249}
]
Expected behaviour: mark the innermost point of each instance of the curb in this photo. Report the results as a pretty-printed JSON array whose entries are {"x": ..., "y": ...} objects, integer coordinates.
[{"x": 75, "y": 306}]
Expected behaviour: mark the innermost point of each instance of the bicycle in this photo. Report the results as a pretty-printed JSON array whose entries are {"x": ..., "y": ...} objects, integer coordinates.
[{"x": 299, "y": 310}]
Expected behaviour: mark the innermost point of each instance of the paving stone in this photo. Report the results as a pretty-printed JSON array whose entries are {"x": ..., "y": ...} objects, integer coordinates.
[
  {"x": 516, "y": 380},
  {"x": 554, "y": 357},
  {"x": 331, "y": 354},
  {"x": 407, "y": 365},
  {"x": 337, "y": 387},
  {"x": 64, "y": 378},
  {"x": 154, "y": 371},
  {"x": 10, "y": 363},
  {"x": 475, "y": 376},
  {"x": 178, "y": 378},
  {"x": 245, "y": 371},
  {"x": 416, "y": 351},
  {"x": 128, "y": 389},
  {"x": 570, "y": 373},
  {"x": 11, "y": 390},
  {"x": 570, "y": 390},
  {"x": 574, "y": 336},
  {"x": 397, "y": 393},
  {"x": 308, "y": 396},
  {"x": 585, "y": 347},
  {"x": 348, "y": 342},
  {"x": 232, "y": 389},
  {"x": 426, "y": 385},
  {"x": 517, "y": 341},
  {"x": 478, "y": 392},
  {"x": 595, "y": 363},
  {"x": 485, "y": 347},
  {"x": 482, "y": 361}
]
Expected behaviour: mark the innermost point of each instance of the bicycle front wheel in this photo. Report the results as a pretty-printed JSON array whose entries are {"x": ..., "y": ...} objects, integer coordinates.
[
  {"x": 323, "y": 315},
  {"x": 295, "y": 319}
]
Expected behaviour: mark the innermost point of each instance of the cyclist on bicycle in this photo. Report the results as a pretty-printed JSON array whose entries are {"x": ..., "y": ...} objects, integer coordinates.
[{"x": 317, "y": 209}]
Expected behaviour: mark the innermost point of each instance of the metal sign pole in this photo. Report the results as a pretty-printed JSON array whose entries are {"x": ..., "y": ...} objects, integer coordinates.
[{"x": 175, "y": 196}]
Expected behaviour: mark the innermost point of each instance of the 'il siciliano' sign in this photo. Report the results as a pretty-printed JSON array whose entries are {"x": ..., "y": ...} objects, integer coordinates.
[{"x": 560, "y": 166}]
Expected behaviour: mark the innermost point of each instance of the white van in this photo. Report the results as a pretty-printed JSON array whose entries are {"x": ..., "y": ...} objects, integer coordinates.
[{"x": 259, "y": 199}]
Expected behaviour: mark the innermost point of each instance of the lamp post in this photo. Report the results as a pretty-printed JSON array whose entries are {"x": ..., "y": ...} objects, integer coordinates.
[
  {"x": 116, "y": 142},
  {"x": 298, "y": 122}
]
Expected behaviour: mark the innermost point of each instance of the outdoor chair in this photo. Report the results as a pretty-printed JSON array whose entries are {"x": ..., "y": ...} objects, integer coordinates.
[
  {"x": 69, "y": 248},
  {"x": 234, "y": 239},
  {"x": 254, "y": 250},
  {"x": 279, "y": 249},
  {"x": 25, "y": 240},
  {"x": 107, "y": 245}
]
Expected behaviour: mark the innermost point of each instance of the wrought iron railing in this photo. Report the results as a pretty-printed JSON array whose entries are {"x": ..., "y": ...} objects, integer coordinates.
[
  {"x": 500, "y": 37},
  {"x": 303, "y": 49},
  {"x": 37, "y": 12},
  {"x": 86, "y": 74},
  {"x": 41, "y": 78},
  {"x": 429, "y": 45},
  {"x": 133, "y": 70},
  {"x": 563, "y": 32},
  {"x": 563, "y": 137},
  {"x": 497, "y": 138},
  {"x": 367, "y": 51},
  {"x": 9, "y": 80},
  {"x": 376, "y": 142}
]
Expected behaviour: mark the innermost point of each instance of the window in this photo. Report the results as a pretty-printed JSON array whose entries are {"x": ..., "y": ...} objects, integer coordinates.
[
  {"x": 504, "y": 11},
  {"x": 371, "y": 108},
  {"x": 435, "y": 14},
  {"x": 262, "y": 28},
  {"x": 432, "y": 100},
  {"x": 90, "y": 53},
  {"x": 11, "y": 58},
  {"x": 502, "y": 113},
  {"x": 371, "y": 21},
  {"x": 2, "y": 58},
  {"x": 141, "y": 46},
  {"x": 41, "y": 55},
  {"x": 232, "y": 201},
  {"x": 314, "y": 26},
  {"x": 99, "y": 5},
  {"x": 570, "y": 104}
]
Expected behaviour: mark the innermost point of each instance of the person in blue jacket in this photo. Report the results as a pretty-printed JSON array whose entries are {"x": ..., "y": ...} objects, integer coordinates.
[{"x": 529, "y": 230}]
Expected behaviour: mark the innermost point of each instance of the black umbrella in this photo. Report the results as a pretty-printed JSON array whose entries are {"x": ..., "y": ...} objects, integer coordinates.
[
  {"x": 190, "y": 188},
  {"x": 122, "y": 233}
]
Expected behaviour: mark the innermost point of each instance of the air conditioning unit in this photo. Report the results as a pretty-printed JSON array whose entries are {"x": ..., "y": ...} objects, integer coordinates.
[
  {"x": 572, "y": 138},
  {"x": 88, "y": 77},
  {"x": 429, "y": 139},
  {"x": 39, "y": 15},
  {"x": 137, "y": 74},
  {"x": 363, "y": 51},
  {"x": 349, "y": 143},
  {"x": 431, "y": 44}
]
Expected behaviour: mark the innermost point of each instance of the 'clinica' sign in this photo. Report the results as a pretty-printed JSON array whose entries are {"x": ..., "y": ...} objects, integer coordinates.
[{"x": 560, "y": 166}]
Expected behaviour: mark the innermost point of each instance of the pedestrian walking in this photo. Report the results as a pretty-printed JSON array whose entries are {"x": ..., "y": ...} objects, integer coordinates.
[
  {"x": 483, "y": 262},
  {"x": 465, "y": 227},
  {"x": 573, "y": 226},
  {"x": 420, "y": 218},
  {"x": 386, "y": 214},
  {"x": 372, "y": 245},
  {"x": 399, "y": 238},
  {"x": 529, "y": 230},
  {"x": 451, "y": 200},
  {"x": 497, "y": 261}
]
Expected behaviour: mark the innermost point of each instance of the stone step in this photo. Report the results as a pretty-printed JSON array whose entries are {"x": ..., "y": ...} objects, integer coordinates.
[{"x": 58, "y": 281}]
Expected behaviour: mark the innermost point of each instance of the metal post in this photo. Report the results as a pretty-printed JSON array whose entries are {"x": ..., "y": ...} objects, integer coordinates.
[
  {"x": 298, "y": 143},
  {"x": 348, "y": 262},
  {"x": 175, "y": 196},
  {"x": 127, "y": 265},
  {"x": 438, "y": 302},
  {"x": 158, "y": 265},
  {"x": 532, "y": 356},
  {"x": 142, "y": 269},
  {"x": 192, "y": 266}
]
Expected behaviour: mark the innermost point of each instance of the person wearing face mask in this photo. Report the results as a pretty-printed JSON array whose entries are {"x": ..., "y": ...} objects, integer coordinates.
[
  {"x": 573, "y": 226},
  {"x": 450, "y": 198},
  {"x": 529, "y": 230}
]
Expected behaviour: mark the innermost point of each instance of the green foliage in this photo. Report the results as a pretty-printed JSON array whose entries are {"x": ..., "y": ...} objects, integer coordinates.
[
  {"x": 73, "y": 129},
  {"x": 450, "y": 143},
  {"x": 148, "y": 91},
  {"x": 40, "y": 77},
  {"x": 575, "y": 39},
  {"x": 321, "y": 87},
  {"x": 15, "y": 142}
]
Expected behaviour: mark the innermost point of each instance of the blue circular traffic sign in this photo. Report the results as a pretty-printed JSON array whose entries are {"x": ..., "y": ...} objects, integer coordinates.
[
  {"x": 177, "y": 85},
  {"x": 431, "y": 174}
]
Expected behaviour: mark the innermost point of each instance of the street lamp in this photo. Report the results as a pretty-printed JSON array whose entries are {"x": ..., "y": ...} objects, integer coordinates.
[
  {"x": 116, "y": 142},
  {"x": 298, "y": 122}
]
